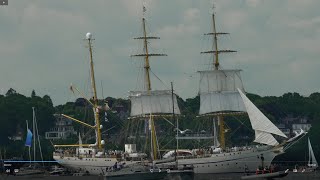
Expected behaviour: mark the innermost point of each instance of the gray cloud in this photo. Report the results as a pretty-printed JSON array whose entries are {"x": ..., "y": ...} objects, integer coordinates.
[{"x": 42, "y": 44}]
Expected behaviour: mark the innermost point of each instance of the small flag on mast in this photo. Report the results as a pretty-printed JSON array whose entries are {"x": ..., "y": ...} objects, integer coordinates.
[
  {"x": 29, "y": 138},
  {"x": 71, "y": 88},
  {"x": 144, "y": 9}
]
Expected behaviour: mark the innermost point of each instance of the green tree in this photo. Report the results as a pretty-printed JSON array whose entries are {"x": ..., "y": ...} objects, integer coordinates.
[{"x": 33, "y": 94}]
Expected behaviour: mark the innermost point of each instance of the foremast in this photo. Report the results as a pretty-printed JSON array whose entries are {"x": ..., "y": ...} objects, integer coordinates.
[
  {"x": 147, "y": 81},
  {"x": 95, "y": 99},
  {"x": 96, "y": 108},
  {"x": 216, "y": 66}
]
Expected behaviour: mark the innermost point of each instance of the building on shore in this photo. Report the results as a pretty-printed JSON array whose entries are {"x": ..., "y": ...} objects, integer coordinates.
[{"x": 63, "y": 128}]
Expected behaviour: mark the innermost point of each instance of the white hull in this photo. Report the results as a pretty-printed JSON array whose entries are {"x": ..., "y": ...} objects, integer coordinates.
[
  {"x": 93, "y": 166},
  {"x": 232, "y": 162}
]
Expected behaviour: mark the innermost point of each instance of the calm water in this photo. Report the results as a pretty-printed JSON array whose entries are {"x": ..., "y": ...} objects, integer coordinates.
[{"x": 290, "y": 176}]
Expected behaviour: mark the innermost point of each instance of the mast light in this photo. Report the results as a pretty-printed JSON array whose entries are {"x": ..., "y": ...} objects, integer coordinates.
[
  {"x": 88, "y": 36},
  {"x": 103, "y": 142}
]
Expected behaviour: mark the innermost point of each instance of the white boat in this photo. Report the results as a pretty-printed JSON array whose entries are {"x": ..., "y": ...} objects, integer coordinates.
[
  {"x": 312, "y": 161},
  {"x": 312, "y": 164},
  {"x": 222, "y": 93}
]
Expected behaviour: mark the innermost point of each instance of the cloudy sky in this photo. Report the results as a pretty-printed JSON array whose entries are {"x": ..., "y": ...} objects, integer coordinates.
[{"x": 42, "y": 44}]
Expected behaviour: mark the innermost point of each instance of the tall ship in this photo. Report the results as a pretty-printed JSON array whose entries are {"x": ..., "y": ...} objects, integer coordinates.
[{"x": 222, "y": 94}]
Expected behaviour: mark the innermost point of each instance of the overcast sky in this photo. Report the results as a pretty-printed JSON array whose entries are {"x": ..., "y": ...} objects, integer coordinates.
[{"x": 42, "y": 44}]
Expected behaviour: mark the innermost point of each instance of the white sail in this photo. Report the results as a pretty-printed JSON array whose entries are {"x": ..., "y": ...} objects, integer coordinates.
[
  {"x": 152, "y": 102},
  {"x": 260, "y": 123},
  {"x": 215, "y": 139},
  {"x": 218, "y": 91},
  {"x": 265, "y": 138},
  {"x": 312, "y": 159},
  {"x": 80, "y": 141}
]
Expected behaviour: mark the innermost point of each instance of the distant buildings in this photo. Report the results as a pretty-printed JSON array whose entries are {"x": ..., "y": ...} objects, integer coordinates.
[
  {"x": 18, "y": 135},
  {"x": 291, "y": 124},
  {"x": 63, "y": 128},
  {"x": 301, "y": 123},
  {"x": 303, "y": 126},
  {"x": 285, "y": 129},
  {"x": 122, "y": 112}
]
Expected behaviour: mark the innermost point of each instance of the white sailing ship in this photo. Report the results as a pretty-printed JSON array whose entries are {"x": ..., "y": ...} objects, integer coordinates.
[{"x": 222, "y": 93}]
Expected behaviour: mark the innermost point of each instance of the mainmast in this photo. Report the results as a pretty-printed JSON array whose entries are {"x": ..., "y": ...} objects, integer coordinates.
[
  {"x": 215, "y": 50},
  {"x": 147, "y": 65},
  {"x": 146, "y": 53},
  {"x": 147, "y": 83},
  {"x": 95, "y": 99},
  {"x": 216, "y": 66}
]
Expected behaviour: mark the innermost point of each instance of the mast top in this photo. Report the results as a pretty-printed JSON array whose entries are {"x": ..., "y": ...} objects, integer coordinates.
[
  {"x": 146, "y": 54},
  {"x": 95, "y": 99},
  {"x": 215, "y": 50},
  {"x": 144, "y": 9},
  {"x": 88, "y": 36},
  {"x": 212, "y": 9}
]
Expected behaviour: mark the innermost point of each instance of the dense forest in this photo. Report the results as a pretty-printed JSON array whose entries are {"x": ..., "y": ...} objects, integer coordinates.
[{"x": 16, "y": 109}]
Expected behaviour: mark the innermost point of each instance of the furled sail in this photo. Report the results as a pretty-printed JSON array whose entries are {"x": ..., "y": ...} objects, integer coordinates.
[
  {"x": 152, "y": 102},
  {"x": 261, "y": 124},
  {"x": 218, "y": 91},
  {"x": 312, "y": 162}
]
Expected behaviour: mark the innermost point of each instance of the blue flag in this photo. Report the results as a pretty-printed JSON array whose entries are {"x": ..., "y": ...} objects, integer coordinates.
[{"x": 29, "y": 138}]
